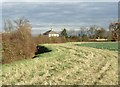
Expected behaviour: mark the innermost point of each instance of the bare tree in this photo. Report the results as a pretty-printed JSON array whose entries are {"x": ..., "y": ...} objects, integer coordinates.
[
  {"x": 22, "y": 22},
  {"x": 114, "y": 29},
  {"x": 8, "y": 25},
  {"x": 100, "y": 33}
]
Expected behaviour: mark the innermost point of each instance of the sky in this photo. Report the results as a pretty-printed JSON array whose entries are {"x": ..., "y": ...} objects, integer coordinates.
[
  {"x": 59, "y": 0},
  {"x": 59, "y": 15}
]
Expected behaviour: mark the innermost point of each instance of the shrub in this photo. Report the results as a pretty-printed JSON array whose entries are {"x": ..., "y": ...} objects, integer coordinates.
[
  {"x": 45, "y": 39},
  {"x": 73, "y": 39},
  {"x": 18, "y": 44},
  {"x": 85, "y": 37}
]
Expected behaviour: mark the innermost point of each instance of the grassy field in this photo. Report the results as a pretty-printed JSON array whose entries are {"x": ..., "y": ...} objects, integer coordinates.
[{"x": 66, "y": 64}]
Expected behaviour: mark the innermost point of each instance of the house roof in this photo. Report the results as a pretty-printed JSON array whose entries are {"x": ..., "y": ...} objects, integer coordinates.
[{"x": 49, "y": 32}]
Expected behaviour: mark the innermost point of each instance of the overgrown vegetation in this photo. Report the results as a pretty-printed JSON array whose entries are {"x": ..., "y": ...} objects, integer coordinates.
[
  {"x": 18, "y": 43},
  {"x": 45, "y": 39}
]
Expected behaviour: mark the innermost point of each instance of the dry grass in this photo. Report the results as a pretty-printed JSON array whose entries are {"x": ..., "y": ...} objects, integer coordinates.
[{"x": 66, "y": 64}]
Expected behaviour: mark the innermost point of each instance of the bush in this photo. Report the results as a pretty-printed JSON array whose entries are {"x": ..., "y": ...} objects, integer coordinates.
[
  {"x": 18, "y": 44},
  {"x": 73, "y": 39},
  {"x": 85, "y": 37},
  {"x": 45, "y": 39}
]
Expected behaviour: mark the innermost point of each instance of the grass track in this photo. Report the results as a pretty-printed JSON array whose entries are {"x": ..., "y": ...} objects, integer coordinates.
[{"x": 66, "y": 64}]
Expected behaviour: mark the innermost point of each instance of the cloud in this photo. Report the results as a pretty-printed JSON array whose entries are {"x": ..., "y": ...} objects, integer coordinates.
[
  {"x": 54, "y": 13},
  {"x": 61, "y": 1}
]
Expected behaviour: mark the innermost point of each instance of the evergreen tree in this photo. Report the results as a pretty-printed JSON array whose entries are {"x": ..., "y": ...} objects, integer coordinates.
[{"x": 64, "y": 33}]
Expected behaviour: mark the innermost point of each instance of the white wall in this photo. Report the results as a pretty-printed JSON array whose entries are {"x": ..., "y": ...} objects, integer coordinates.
[{"x": 53, "y": 35}]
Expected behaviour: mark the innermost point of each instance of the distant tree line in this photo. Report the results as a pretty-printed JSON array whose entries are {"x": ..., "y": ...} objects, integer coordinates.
[{"x": 93, "y": 32}]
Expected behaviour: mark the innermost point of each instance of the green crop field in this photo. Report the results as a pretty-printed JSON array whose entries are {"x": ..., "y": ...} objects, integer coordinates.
[
  {"x": 66, "y": 64},
  {"x": 102, "y": 45}
]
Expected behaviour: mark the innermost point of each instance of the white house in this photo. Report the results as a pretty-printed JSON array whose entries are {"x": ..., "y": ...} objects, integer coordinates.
[{"x": 51, "y": 33}]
